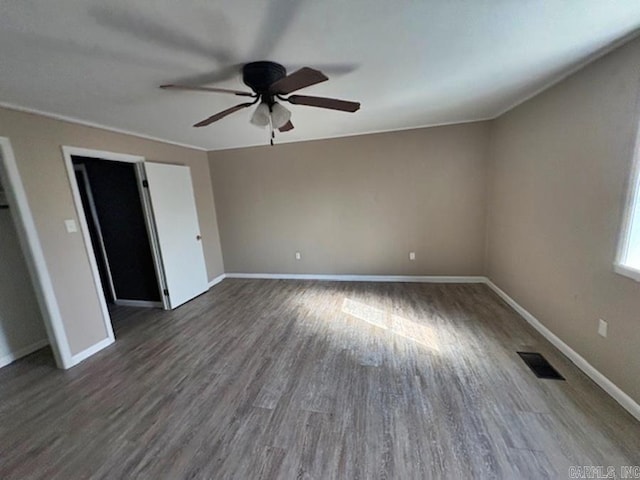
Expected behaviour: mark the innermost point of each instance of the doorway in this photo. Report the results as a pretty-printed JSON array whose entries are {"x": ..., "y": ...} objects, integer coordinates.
[
  {"x": 16, "y": 199},
  {"x": 115, "y": 218},
  {"x": 161, "y": 230},
  {"x": 22, "y": 327}
]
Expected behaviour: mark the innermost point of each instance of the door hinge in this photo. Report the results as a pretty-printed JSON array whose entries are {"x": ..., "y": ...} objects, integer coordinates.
[
  {"x": 145, "y": 183},
  {"x": 166, "y": 292}
]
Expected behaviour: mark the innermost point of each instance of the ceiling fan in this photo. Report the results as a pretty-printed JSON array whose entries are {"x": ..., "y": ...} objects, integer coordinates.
[{"x": 270, "y": 83}]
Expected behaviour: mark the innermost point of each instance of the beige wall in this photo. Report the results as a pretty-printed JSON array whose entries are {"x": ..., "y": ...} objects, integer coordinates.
[
  {"x": 356, "y": 205},
  {"x": 37, "y": 142},
  {"x": 560, "y": 163}
]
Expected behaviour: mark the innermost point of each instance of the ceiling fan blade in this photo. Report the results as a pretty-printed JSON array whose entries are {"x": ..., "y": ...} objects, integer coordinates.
[
  {"x": 324, "y": 102},
  {"x": 333, "y": 69},
  {"x": 277, "y": 18},
  {"x": 207, "y": 89},
  {"x": 137, "y": 25},
  {"x": 222, "y": 114},
  {"x": 305, "y": 77},
  {"x": 286, "y": 127},
  {"x": 212, "y": 76}
]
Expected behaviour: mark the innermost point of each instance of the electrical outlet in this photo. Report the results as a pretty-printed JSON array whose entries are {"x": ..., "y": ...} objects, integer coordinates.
[
  {"x": 298, "y": 256},
  {"x": 602, "y": 328},
  {"x": 412, "y": 255}
]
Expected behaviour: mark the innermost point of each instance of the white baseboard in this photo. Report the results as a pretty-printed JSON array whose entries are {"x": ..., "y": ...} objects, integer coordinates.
[
  {"x": 362, "y": 278},
  {"x": 138, "y": 303},
  {"x": 22, "y": 352},
  {"x": 79, "y": 357},
  {"x": 217, "y": 280},
  {"x": 607, "y": 385}
]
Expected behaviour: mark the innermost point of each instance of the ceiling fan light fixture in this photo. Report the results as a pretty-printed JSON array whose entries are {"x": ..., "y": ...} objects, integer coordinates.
[
  {"x": 261, "y": 115},
  {"x": 279, "y": 115}
]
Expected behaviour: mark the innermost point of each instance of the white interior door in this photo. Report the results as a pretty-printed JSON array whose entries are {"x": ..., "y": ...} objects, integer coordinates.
[{"x": 177, "y": 229}]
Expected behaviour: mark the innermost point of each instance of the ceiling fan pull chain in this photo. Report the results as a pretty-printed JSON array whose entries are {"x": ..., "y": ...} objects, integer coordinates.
[{"x": 271, "y": 124}]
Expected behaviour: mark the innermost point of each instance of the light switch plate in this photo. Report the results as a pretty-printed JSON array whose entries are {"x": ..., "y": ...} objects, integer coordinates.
[
  {"x": 298, "y": 256},
  {"x": 71, "y": 226},
  {"x": 602, "y": 328},
  {"x": 412, "y": 255}
]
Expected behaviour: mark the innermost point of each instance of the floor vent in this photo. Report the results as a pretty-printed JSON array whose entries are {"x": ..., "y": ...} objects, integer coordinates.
[{"x": 539, "y": 365}]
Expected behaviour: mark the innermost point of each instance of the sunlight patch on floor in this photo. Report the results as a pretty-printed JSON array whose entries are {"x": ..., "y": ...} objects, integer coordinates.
[{"x": 395, "y": 324}]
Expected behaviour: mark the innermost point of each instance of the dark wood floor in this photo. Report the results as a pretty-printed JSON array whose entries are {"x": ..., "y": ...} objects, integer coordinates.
[{"x": 300, "y": 379}]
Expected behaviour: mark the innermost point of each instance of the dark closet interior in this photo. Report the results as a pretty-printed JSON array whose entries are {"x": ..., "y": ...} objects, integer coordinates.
[{"x": 114, "y": 214}]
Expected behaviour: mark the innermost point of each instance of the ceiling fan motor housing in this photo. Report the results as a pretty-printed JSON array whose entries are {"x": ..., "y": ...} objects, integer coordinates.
[{"x": 259, "y": 76}]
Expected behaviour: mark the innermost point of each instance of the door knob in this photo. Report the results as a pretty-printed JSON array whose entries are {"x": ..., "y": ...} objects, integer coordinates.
[{"x": 198, "y": 237}]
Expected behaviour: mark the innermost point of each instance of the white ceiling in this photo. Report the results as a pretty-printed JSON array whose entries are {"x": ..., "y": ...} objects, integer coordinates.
[{"x": 410, "y": 63}]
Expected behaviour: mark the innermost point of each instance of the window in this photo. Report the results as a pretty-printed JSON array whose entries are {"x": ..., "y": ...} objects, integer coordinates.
[{"x": 628, "y": 260}]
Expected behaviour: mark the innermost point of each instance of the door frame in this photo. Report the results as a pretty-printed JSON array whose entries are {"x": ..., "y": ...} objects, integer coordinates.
[
  {"x": 34, "y": 256},
  {"x": 68, "y": 152},
  {"x": 93, "y": 213}
]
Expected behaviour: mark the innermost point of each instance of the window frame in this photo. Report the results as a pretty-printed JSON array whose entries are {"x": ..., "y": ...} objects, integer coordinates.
[{"x": 631, "y": 206}]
